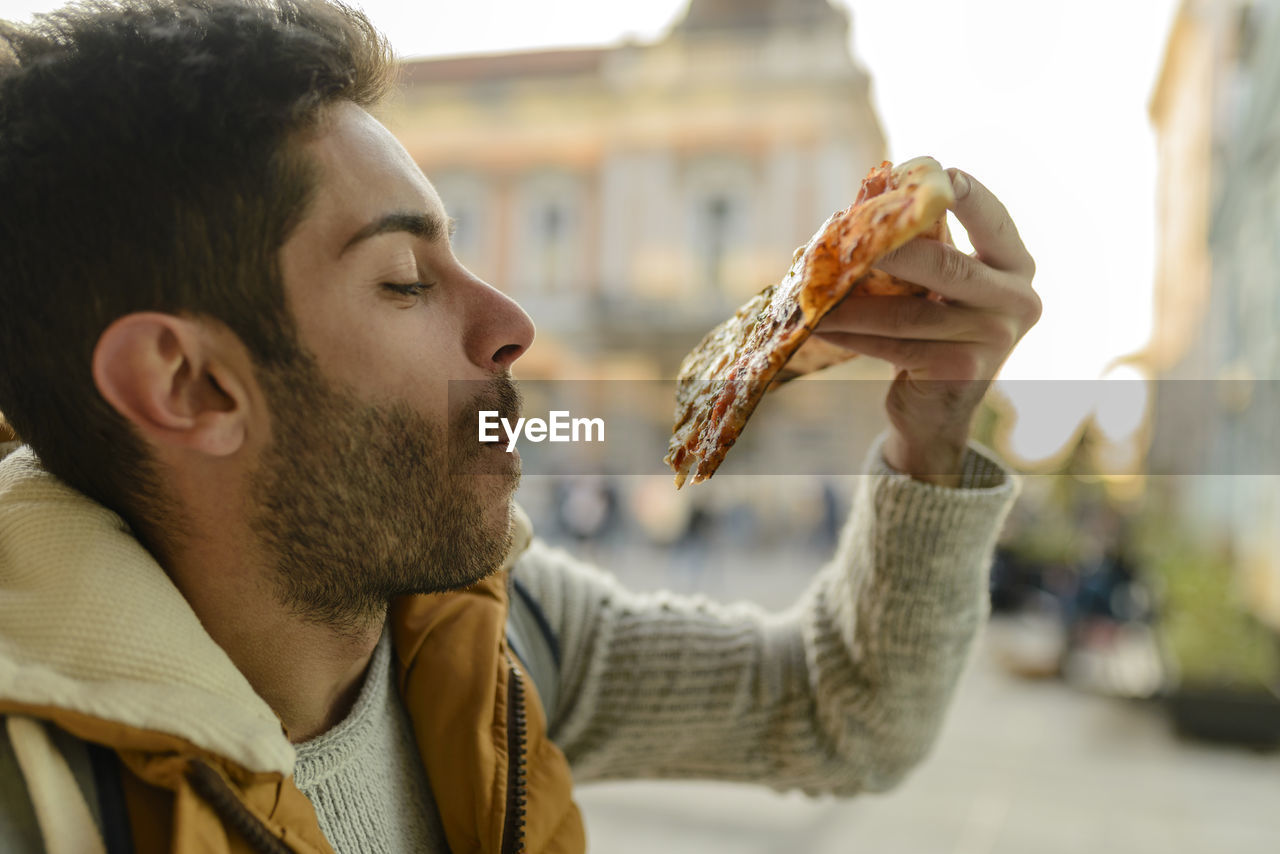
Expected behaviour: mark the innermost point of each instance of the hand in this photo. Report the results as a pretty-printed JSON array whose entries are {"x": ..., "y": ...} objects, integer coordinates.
[{"x": 948, "y": 352}]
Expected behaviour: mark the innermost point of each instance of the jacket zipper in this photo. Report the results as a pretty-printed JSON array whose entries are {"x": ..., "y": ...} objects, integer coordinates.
[{"x": 517, "y": 781}]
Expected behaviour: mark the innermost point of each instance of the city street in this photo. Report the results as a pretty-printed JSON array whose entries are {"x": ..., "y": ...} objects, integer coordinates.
[{"x": 1022, "y": 767}]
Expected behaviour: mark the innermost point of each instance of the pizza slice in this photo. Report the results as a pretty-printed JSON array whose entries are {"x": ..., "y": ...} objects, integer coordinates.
[{"x": 767, "y": 341}]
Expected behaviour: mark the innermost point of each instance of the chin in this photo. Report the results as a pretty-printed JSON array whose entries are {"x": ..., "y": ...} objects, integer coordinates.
[{"x": 498, "y": 516}]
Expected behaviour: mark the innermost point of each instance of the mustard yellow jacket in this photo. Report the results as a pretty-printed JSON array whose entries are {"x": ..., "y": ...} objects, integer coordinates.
[{"x": 97, "y": 643}]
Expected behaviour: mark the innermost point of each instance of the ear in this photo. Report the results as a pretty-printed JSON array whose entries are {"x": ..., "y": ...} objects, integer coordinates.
[{"x": 176, "y": 380}]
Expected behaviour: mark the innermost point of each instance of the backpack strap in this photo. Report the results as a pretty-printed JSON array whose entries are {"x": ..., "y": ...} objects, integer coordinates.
[
  {"x": 530, "y": 637},
  {"x": 113, "y": 813},
  {"x": 19, "y": 830},
  {"x": 59, "y": 793},
  {"x": 63, "y": 814}
]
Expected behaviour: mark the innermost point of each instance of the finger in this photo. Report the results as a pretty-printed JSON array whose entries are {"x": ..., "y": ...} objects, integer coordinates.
[
  {"x": 937, "y": 360},
  {"x": 949, "y": 272},
  {"x": 991, "y": 229},
  {"x": 907, "y": 317}
]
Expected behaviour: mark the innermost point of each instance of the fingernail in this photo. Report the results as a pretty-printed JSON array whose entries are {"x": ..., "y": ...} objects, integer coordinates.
[{"x": 959, "y": 184}]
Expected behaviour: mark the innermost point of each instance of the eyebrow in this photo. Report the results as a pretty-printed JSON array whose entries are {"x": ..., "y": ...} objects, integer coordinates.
[{"x": 427, "y": 226}]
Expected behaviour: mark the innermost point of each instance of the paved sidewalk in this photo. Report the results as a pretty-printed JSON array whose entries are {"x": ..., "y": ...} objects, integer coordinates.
[{"x": 1021, "y": 768}]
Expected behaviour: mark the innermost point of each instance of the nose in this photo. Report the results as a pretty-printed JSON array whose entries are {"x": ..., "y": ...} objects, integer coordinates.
[{"x": 499, "y": 330}]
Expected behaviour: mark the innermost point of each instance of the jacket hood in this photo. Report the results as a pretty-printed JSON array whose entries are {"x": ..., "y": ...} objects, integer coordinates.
[{"x": 90, "y": 623}]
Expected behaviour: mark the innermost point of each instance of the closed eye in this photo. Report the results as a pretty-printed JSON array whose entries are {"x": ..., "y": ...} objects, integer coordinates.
[{"x": 413, "y": 289}]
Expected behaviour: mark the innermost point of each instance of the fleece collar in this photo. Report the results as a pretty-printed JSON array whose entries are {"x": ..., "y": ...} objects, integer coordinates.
[{"x": 89, "y": 622}]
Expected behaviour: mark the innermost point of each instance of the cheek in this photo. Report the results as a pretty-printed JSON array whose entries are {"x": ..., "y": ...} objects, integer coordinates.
[{"x": 391, "y": 355}]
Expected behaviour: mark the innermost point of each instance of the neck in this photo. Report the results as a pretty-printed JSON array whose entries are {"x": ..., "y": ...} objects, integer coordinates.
[{"x": 310, "y": 674}]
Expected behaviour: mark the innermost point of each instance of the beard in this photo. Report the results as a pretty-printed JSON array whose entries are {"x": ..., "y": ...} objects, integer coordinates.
[{"x": 356, "y": 504}]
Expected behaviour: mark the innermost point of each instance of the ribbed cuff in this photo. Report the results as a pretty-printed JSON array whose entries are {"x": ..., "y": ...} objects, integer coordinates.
[
  {"x": 926, "y": 530},
  {"x": 979, "y": 469}
]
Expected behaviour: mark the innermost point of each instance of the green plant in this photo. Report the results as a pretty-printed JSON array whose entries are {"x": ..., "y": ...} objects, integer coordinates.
[{"x": 1211, "y": 638}]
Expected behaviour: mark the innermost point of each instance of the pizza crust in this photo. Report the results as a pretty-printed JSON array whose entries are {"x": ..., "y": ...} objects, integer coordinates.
[{"x": 722, "y": 380}]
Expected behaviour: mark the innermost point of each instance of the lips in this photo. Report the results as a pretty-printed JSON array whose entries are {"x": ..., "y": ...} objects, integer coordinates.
[{"x": 467, "y": 451}]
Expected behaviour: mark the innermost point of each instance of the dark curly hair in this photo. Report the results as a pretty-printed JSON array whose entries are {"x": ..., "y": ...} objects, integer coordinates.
[{"x": 149, "y": 161}]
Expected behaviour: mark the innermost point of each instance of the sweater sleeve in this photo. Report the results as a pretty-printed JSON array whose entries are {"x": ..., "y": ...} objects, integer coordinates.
[{"x": 843, "y": 692}]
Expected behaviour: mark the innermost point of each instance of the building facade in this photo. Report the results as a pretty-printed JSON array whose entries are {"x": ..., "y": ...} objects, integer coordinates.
[
  {"x": 631, "y": 196},
  {"x": 1216, "y": 352}
]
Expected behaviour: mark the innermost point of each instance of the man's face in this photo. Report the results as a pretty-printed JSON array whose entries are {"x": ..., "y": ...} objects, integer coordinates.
[{"x": 374, "y": 483}]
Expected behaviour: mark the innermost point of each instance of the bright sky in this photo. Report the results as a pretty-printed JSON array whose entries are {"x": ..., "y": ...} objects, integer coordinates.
[{"x": 1045, "y": 102}]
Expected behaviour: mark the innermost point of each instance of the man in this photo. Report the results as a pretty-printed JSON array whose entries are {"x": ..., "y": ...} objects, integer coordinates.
[{"x": 244, "y": 603}]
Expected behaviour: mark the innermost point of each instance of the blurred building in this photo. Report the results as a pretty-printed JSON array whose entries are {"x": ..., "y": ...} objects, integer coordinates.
[
  {"x": 1216, "y": 350},
  {"x": 631, "y": 196}
]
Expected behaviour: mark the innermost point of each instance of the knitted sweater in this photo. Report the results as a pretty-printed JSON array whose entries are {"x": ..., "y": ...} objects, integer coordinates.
[
  {"x": 364, "y": 777},
  {"x": 843, "y": 692}
]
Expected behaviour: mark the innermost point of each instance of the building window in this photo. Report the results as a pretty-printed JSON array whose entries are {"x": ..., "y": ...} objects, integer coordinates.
[
  {"x": 465, "y": 198},
  {"x": 548, "y": 246},
  {"x": 718, "y": 213},
  {"x": 718, "y": 191}
]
